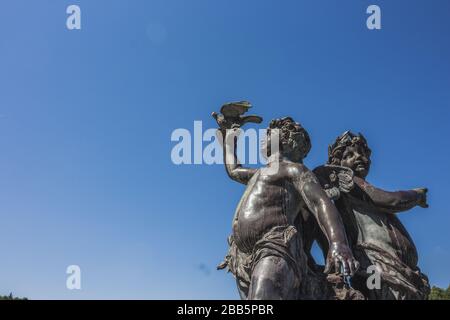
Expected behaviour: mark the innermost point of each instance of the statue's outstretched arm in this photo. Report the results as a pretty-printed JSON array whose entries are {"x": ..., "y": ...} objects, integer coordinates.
[{"x": 393, "y": 201}]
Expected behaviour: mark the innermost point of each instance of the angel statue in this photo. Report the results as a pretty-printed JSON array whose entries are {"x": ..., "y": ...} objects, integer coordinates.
[{"x": 377, "y": 237}]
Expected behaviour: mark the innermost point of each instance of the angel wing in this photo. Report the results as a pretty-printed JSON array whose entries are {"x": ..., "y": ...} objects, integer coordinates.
[{"x": 331, "y": 176}]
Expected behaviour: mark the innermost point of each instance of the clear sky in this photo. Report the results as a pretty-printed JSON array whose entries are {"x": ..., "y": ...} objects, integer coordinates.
[{"x": 86, "y": 117}]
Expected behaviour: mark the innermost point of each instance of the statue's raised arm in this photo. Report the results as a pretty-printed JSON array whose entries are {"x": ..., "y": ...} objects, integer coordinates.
[{"x": 230, "y": 120}]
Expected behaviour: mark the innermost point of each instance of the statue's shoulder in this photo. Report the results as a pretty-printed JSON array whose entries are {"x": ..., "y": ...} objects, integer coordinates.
[
  {"x": 295, "y": 168},
  {"x": 300, "y": 172}
]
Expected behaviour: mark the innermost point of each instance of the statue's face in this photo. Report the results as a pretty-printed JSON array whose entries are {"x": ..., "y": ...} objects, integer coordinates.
[{"x": 355, "y": 158}]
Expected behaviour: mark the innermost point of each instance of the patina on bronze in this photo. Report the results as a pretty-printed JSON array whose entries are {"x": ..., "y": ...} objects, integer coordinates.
[
  {"x": 376, "y": 235},
  {"x": 267, "y": 253}
]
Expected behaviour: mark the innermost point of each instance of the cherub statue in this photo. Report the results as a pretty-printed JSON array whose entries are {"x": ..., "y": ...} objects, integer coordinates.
[
  {"x": 266, "y": 253},
  {"x": 376, "y": 235}
]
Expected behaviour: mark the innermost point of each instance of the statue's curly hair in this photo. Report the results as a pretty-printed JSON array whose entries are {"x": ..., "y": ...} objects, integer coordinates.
[
  {"x": 288, "y": 129},
  {"x": 347, "y": 139}
]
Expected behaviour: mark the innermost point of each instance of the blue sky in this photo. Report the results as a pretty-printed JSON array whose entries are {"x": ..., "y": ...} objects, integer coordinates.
[{"x": 86, "y": 117}]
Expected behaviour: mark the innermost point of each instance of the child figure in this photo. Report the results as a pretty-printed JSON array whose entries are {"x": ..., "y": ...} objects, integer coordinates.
[
  {"x": 376, "y": 235},
  {"x": 266, "y": 253}
]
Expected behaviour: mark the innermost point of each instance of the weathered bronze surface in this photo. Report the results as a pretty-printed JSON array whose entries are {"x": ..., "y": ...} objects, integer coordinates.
[
  {"x": 286, "y": 207},
  {"x": 376, "y": 235},
  {"x": 266, "y": 252}
]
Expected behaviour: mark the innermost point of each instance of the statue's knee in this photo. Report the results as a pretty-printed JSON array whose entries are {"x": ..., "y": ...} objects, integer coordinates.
[
  {"x": 263, "y": 287},
  {"x": 270, "y": 279}
]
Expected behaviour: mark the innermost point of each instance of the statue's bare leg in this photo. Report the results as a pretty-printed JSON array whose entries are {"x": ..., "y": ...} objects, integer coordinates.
[{"x": 273, "y": 279}]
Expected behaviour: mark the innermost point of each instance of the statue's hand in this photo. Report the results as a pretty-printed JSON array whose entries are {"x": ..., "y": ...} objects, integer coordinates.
[
  {"x": 341, "y": 258},
  {"x": 224, "y": 123},
  {"x": 422, "y": 202}
]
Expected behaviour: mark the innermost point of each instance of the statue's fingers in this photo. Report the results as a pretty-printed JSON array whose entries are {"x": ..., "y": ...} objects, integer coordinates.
[
  {"x": 337, "y": 265},
  {"x": 345, "y": 266}
]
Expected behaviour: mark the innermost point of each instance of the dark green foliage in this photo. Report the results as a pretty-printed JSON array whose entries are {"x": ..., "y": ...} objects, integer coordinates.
[
  {"x": 439, "y": 294},
  {"x": 11, "y": 297}
]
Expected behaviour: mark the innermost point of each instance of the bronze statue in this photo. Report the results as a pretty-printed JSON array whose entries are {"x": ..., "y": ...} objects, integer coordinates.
[
  {"x": 266, "y": 253},
  {"x": 376, "y": 235}
]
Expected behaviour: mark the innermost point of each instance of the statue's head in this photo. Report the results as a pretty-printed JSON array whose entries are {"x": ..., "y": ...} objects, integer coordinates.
[
  {"x": 351, "y": 151},
  {"x": 294, "y": 142}
]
